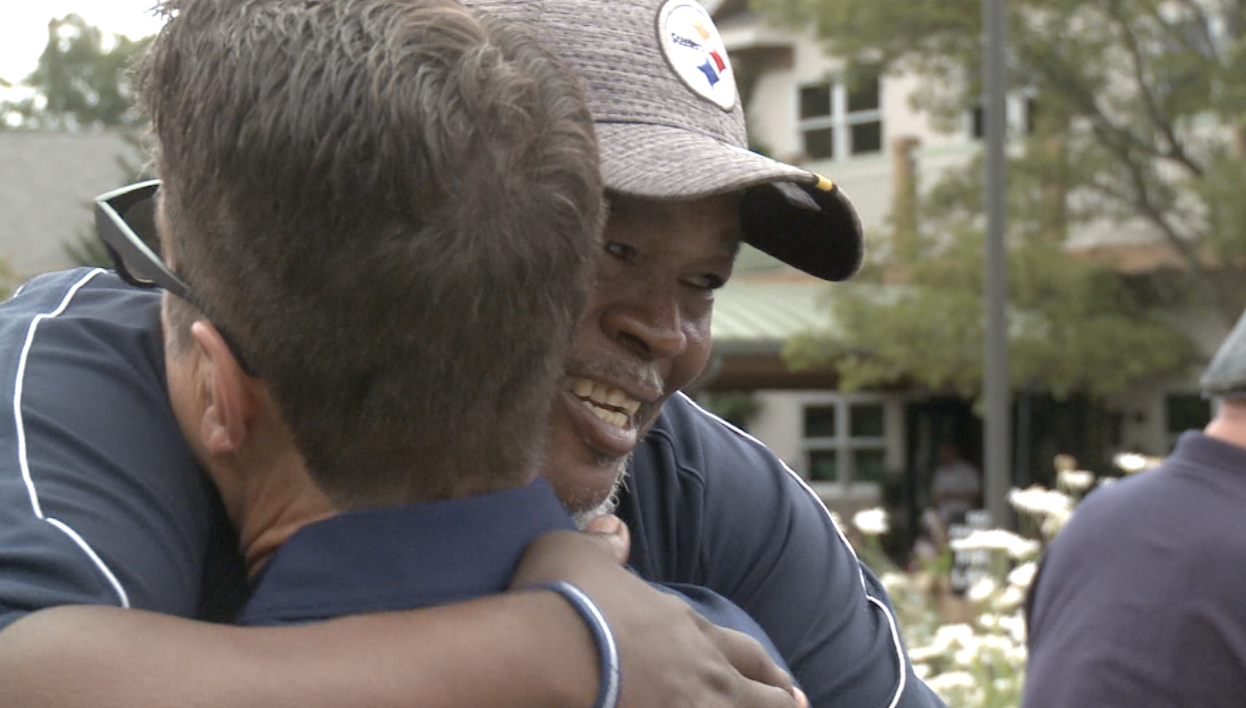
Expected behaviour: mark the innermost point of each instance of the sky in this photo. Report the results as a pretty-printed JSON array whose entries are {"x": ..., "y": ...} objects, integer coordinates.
[{"x": 24, "y": 26}]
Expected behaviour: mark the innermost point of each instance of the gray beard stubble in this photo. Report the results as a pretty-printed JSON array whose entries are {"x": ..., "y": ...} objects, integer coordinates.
[{"x": 582, "y": 516}]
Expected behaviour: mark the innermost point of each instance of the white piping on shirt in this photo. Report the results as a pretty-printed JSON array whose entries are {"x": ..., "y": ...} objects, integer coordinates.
[
  {"x": 891, "y": 620},
  {"x": 22, "y": 459}
]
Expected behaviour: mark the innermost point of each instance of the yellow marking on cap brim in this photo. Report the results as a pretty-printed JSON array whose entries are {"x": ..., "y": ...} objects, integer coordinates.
[{"x": 823, "y": 183}]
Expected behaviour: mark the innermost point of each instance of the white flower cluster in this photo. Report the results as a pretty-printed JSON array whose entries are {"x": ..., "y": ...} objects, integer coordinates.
[
  {"x": 1075, "y": 480},
  {"x": 1133, "y": 462},
  {"x": 1052, "y": 509},
  {"x": 966, "y": 664},
  {"x": 1017, "y": 547},
  {"x": 871, "y": 522},
  {"x": 981, "y": 663}
]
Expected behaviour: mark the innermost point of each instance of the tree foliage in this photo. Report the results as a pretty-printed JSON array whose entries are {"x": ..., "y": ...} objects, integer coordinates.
[
  {"x": 80, "y": 83},
  {"x": 1138, "y": 128},
  {"x": 1073, "y": 327}
]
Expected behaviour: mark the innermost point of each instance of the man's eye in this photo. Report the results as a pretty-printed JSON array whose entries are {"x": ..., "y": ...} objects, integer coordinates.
[
  {"x": 622, "y": 251},
  {"x": 708, "y": 282}
]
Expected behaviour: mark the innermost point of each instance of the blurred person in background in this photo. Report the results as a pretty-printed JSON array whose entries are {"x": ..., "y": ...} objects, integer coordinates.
[{"x": 1138, "y": 600}]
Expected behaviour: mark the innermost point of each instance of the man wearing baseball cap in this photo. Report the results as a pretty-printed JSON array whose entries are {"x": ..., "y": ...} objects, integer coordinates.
[
  {"x": 705, "y": 503},
  {"x": 1138, "y": 602},
  {"x": 671, "y": 126}
]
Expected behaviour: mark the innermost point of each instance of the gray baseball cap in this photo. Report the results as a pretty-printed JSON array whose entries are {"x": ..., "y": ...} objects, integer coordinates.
[
  {"x": 670, "y": 124},
  {"x": 1225, "y": 376}
]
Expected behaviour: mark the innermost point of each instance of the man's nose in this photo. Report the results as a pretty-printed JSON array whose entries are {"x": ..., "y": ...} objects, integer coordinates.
[{"x": 648, "y": 325}]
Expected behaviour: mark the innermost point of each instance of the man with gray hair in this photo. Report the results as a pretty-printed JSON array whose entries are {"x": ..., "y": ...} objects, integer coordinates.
[{"x": 1138, "y": 602}]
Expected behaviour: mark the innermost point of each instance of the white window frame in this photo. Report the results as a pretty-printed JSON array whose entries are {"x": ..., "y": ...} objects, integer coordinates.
[
  {"x": 840, "y": 120},
  {"x": 1016, "y": 115},
  {"x": 843, "y": 443}
]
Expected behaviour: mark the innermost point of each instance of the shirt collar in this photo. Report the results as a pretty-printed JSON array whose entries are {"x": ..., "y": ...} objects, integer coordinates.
[{"x": 403, "y": 557}]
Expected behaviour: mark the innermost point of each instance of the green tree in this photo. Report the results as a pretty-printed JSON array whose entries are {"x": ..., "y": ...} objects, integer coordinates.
[
  {"x": 1074, "y": 327},
  {"x": 80, "y": 83},
  {"x": 1137, "y": 127}
]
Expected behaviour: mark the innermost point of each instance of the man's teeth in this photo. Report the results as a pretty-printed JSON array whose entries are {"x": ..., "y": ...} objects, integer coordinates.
[
  {"x": 610, "y": 404},
  {"x": 612, "y": 417}
]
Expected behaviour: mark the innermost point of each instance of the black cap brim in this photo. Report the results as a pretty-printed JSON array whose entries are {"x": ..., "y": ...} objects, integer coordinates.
[{"x": 822, "y": 237}]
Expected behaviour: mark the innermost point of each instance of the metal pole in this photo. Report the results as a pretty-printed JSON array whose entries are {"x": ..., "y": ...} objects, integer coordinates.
[{"x": 997, "y": 463}]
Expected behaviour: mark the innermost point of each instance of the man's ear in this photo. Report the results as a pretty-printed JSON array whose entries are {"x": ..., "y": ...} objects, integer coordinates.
[{"x": 227, "y": 391}]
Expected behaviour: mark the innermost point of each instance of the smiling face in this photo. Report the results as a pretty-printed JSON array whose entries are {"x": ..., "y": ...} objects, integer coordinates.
[{"x": 644, "y": 335}]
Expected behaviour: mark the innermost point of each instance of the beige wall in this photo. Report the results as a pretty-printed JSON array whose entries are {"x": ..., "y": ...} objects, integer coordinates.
[{"x": 47, "y": 181}]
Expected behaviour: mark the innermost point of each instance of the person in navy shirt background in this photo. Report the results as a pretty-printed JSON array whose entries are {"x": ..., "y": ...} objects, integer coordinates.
[{"x": 1138, "y": 601}]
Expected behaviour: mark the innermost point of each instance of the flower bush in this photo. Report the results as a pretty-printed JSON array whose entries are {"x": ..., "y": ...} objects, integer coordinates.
[{"x": 970, "y": 648}]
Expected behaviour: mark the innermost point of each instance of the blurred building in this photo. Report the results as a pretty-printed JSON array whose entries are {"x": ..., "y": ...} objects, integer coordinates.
[
  {"x": 878, "y": 447},
  {"x": 47, "y": 181}
]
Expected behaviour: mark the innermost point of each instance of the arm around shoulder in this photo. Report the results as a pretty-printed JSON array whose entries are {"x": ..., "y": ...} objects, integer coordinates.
[{"x": 514, "y": 650}]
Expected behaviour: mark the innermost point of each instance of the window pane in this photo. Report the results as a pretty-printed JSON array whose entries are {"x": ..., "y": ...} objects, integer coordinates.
[
  {"x": 1031, "y": 114},
  {"x": 863, "y": 94},
  {"x": 868, "y": 466},
  {"x": 820, "y": 143},
  {"x": 866, "y": 420},
  {"x": 867, "y": 137},
  {"x": 1186, "y": 411},
  {"x": 823, "y": 466},
  {"x": 820, "y": 421},
  {"x": 815, "y": 101}
]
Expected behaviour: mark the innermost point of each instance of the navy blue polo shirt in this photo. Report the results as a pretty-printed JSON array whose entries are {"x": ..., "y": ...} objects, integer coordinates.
[
  {"x": 402, "y": 557},
  {"x": 417, "y": 555},
  {"x": 1140, "y": 601},
  {"x": 101, "y": 499}
]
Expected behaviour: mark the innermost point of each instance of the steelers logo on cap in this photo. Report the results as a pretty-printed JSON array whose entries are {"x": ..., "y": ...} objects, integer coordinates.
[{"x": 695, "y": 51}]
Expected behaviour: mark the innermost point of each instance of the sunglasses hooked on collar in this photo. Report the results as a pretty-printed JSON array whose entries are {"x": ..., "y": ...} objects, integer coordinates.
[{"x": 133, "y": 256}]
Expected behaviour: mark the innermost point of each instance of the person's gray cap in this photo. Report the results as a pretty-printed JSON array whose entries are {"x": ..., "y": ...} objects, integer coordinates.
[
  {"x": 670, "y": 125},
  {"x": 1225, "y": 376}
]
